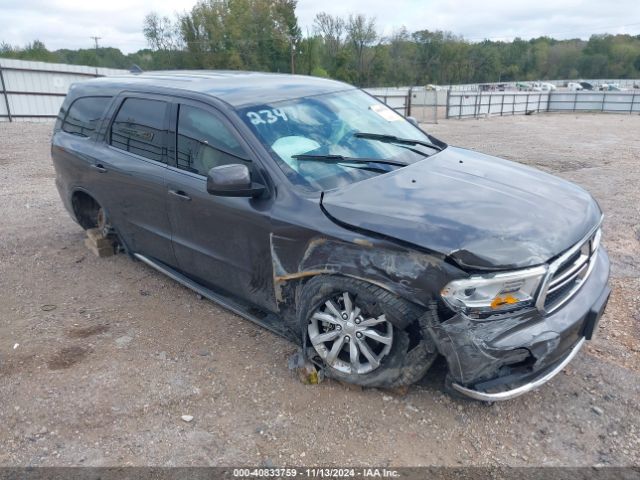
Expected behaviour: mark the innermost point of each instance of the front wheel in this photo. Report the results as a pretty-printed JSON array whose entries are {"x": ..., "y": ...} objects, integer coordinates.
[{"x": 363, "y": 334}]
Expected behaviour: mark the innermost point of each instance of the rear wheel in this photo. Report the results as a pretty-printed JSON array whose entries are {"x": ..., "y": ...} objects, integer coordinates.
[{"x": 364, "y": 334}]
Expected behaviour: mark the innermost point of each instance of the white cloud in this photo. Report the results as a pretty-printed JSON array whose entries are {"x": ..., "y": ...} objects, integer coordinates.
[
  {"x": 495, "y": 19},
  {"x": 70, "y": 23}
]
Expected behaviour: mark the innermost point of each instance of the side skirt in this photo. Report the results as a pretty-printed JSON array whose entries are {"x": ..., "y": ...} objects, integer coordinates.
[{"x": 268, "y": 320}]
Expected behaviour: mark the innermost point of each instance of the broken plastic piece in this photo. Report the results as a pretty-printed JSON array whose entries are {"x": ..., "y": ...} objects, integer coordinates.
[{"x": 306, "y": 371}]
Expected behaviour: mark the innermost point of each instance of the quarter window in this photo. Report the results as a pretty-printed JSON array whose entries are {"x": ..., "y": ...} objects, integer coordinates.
[
  {"x": 139, "y": 128},
  {"x": 84, "y": 115},
  {"x": 205, "y": 142}
]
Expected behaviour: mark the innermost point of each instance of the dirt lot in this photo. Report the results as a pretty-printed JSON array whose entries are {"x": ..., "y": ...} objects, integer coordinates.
[{"x": 100, "y": 358}]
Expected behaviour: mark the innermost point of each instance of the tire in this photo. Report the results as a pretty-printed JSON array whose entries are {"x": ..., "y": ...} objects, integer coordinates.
[{"x": 401, "y": 362}]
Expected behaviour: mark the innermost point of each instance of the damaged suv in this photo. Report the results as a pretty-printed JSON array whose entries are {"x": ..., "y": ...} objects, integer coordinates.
[{"x": 314, "y": 210}]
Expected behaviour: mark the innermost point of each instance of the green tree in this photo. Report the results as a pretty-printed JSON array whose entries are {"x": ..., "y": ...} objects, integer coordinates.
[
  {"x": 361, "y": 35},
  {"x": 265, "y": 35}
]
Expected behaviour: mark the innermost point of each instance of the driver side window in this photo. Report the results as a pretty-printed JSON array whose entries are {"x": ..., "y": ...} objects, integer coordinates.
[{"x": 205, "y": 142}]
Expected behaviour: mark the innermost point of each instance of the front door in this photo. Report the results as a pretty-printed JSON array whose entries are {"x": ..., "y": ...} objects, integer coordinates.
[
  {"x": 222, "y": 242},
  {"x": 134, "y": 164}
]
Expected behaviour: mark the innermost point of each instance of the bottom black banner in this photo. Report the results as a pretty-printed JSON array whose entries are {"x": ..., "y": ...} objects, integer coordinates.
[{"x": 418, "y": 473}]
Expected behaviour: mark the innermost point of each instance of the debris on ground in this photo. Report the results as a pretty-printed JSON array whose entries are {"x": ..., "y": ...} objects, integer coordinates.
[
  {"x": 305, "y": 370},
  {"x": 187, "y": 418}
]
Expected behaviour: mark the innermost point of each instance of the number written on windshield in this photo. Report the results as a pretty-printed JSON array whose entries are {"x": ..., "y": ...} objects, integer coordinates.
[{"x": 260, "y": 117}]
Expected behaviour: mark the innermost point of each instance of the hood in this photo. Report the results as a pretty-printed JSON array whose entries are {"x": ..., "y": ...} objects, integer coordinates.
[{"x": 482, "y": 211}]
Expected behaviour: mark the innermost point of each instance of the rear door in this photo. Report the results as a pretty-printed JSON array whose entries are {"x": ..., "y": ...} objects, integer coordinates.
[
  {"x": 74, "y": 149},
  {"x": 134, "y": 165},
  {"x": 223, "y": 242}
]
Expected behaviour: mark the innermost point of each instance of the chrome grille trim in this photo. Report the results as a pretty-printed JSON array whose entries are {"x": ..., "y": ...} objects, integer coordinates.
[
  {"x": 579, "y": 270},
  {"x": 570, "y": 274}
]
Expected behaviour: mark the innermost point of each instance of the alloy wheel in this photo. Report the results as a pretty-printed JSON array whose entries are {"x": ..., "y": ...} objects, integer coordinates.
[{"x": 347, "y": 337}]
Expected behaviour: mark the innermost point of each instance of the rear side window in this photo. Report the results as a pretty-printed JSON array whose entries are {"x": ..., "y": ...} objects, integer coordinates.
[
  {"x": 84, "y": 115},
  {"x": 139, "y": 128},
  {"x": 204, "y": 141}
]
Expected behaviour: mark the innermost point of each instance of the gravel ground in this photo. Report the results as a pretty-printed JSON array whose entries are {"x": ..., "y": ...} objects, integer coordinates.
[{"x": 100, "y": 358}]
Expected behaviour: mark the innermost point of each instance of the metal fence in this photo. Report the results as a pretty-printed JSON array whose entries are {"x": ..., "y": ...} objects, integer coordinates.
[
  {"x": 479, "y": 104},
  {"x": 32, "y": 91},
  {"x": 35, "y": 90},
  {"x": 425, "y": 105},
  {"x": 428, "y": 106},
  {"x": 627, "y": 83},
  {"x": 396, "y": 98},
  {"x": 608, "y": 102}
]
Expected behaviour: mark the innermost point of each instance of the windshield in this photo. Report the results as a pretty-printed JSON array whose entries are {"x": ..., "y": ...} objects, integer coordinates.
[{"x": 295, "y": 131}]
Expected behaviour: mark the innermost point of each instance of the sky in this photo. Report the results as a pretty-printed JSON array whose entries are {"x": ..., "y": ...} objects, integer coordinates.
[{"x": 71, "y": 23}]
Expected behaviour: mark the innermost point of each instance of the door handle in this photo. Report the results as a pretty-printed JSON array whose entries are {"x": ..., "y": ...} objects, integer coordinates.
[
  {"x": 99, "y": 167},
  {"x": 180, "y": 194}
]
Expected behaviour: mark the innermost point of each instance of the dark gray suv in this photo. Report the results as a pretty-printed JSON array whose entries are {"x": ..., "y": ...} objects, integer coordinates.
[{"x": 307, "y": 206}]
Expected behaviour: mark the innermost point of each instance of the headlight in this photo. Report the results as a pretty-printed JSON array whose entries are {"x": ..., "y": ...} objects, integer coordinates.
[{"x": 494, "y": 293}]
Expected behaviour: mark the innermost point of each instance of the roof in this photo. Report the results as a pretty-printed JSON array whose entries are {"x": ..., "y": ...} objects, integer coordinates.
[{"x": 234, "y": 87}]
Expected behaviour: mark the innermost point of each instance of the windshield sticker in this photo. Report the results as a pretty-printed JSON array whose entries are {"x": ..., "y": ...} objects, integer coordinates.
[
  {"x": 385, "y": 112},
  {"x": 260, "y": 117}
]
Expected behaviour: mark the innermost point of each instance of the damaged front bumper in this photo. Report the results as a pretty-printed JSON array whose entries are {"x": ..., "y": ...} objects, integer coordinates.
[
  {"x": 540, "y": 379},
  {"x": 503, "y": 358}
]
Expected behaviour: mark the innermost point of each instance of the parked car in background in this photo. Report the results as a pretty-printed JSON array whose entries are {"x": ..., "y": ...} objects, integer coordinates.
[
  {"x": 311, "y": 208},
  {"x": 610, "y": 87},
  {"x": 542, "y": 87},
  {"x": 574, "y": 87},
  {"x": 586, "y": 86}
]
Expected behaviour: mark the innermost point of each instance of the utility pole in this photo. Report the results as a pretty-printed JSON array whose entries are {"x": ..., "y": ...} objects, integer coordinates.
[
  {"x": 95, "y": 39},
  {"x": 293, "y": 54}
]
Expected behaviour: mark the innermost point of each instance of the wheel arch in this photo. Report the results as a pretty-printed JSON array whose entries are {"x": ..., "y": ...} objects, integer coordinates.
[
  {"x": 85, "y": 207},
  {"x": 414, "y": 276}
]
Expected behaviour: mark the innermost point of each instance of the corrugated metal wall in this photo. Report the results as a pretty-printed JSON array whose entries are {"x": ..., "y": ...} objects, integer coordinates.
[{"x": 32, "y": 91}]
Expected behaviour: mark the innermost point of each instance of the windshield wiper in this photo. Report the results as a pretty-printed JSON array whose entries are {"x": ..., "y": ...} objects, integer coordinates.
[
  {"x": 343, "y": 159},
  {"x": 393, "y": 139}
]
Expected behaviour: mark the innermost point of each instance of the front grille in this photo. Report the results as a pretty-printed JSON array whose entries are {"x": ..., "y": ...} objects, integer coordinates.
[{"x": 568, "y": 273}]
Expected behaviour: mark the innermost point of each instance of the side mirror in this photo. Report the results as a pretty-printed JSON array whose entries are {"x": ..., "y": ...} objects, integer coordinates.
[
  {"x": 232, "y": 181},
  {"x": 413, "y": 121}
]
